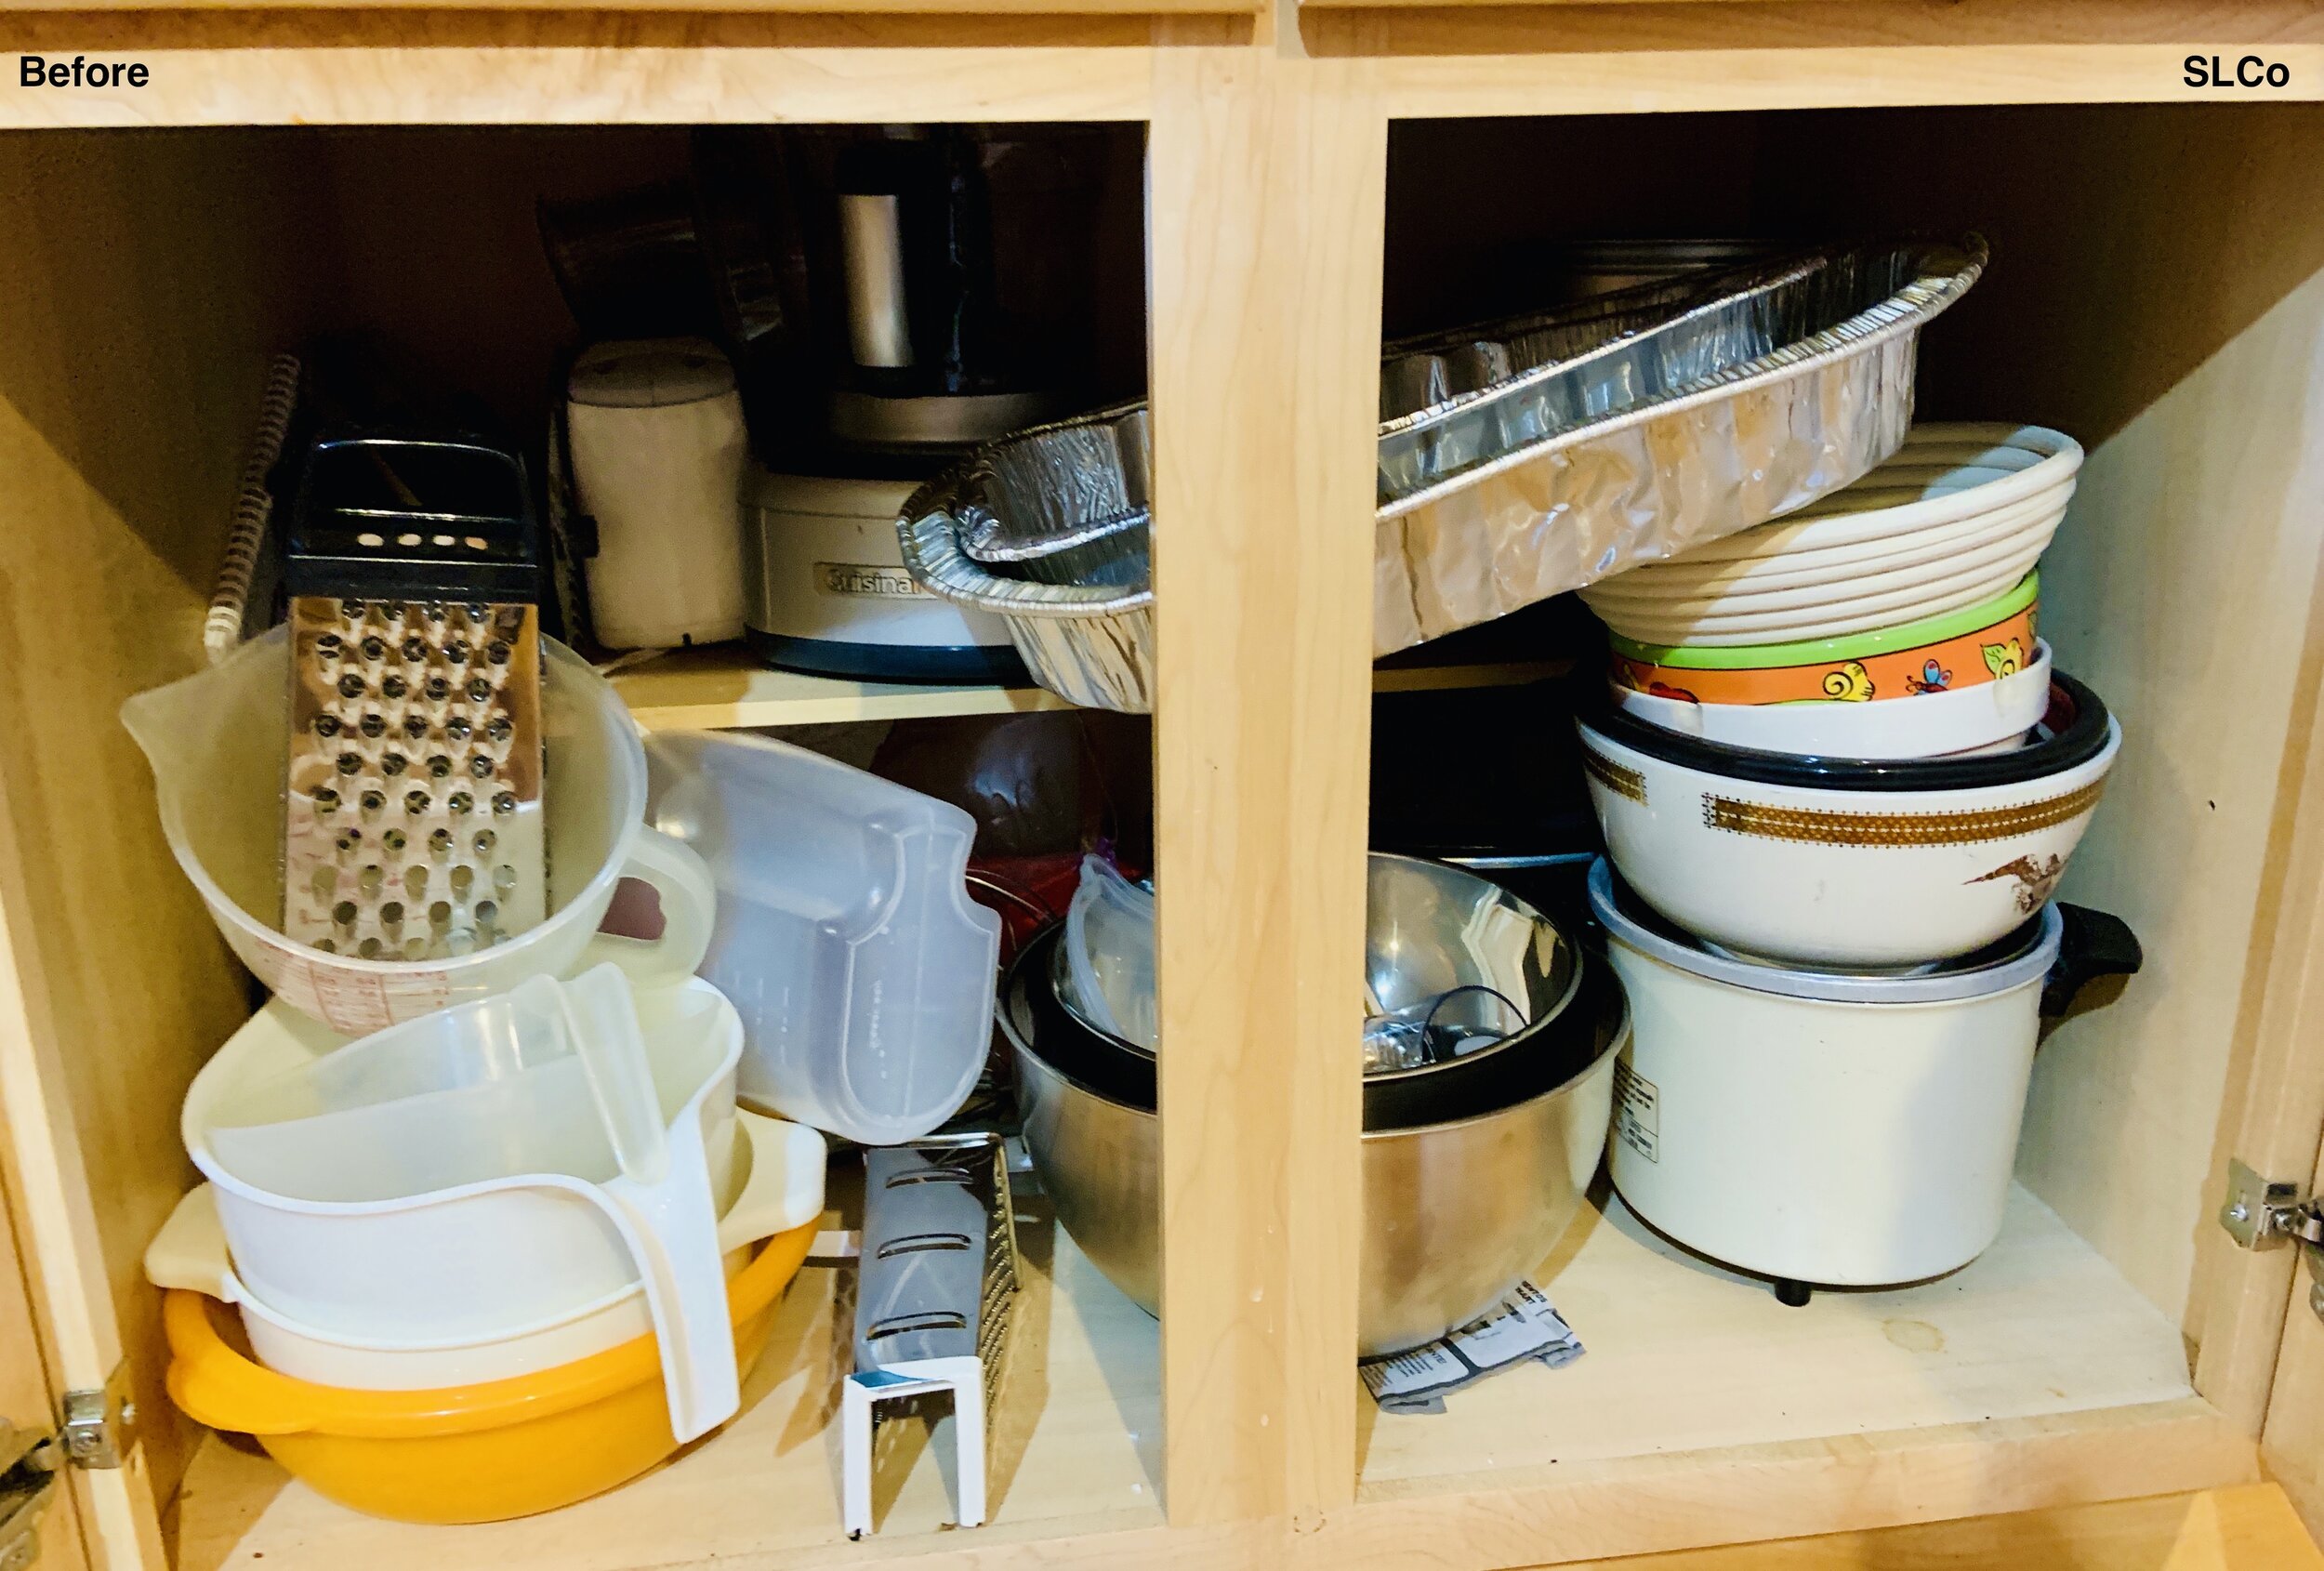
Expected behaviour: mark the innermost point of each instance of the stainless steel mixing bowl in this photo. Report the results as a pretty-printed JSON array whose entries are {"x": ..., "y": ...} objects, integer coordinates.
[{"x": 1455, "y": 1212}]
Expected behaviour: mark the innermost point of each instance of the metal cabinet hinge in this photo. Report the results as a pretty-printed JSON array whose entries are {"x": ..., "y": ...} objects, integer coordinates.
[
  {"x": 29, "y": 1459},
  {"x": 2260, "y": 1212},
  {"x": 95, "y": 1426}
]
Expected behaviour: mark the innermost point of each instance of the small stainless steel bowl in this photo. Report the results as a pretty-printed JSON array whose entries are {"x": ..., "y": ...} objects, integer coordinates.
[
  {"x": 1456, "y": 1209},
  {"x": 1457, "y": 962}
]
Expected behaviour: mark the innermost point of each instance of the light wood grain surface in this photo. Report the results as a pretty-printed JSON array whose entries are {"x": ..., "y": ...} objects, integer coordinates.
[
  {"x": 2189, "y": 847},
  {"x": 571, "y": 66},
  {"x": 130, "y": 313},
  {"x": 28, "y": 1391},
  {"x": 1265, "y": 208},
  {"x": 2248, "y": 1528},
  {"x": 1703, "y": 1412},
  {"x": 1682, "y": 1356}
]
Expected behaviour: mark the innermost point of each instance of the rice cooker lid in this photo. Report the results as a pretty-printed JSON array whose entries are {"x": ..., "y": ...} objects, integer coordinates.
[
  {"x": 2023, "y": 956},
  {"x": 648, "y": 373}
]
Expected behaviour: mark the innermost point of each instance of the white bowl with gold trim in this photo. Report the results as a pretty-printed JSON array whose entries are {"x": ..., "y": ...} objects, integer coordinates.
[{"x": 1846, "y": 863}]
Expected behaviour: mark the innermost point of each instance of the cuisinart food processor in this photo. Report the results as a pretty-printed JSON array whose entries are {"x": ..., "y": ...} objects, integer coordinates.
[{"x": 935, "y": 328}]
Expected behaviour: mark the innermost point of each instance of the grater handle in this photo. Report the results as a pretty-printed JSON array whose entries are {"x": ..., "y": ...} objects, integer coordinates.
[{"x": 682, "y": 882}]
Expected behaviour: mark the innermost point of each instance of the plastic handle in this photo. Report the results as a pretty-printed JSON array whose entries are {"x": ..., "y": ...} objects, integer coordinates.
[
  {"x": 672, "y": 1229},
  {"x": 601, "y": 1023},
  {"x": 2094, "y": 943},
  {"x": 690, "y": 902}
]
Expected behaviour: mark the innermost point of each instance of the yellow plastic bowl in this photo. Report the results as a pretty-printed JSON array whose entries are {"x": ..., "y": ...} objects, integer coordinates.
[{"x": 478, "y": 1453}]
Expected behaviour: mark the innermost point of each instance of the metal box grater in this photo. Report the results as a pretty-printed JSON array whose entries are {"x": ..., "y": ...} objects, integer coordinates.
[{"x": 413, "y": 826}]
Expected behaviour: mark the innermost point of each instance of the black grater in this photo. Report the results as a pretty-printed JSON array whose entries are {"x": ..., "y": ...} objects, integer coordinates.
[{"x": 412, "y": 826}]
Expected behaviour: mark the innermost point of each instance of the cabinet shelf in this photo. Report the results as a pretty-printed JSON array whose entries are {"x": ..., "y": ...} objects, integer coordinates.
[
  {"x": 1683, "y": 1356},
  {"x": 1076, "y": 1433},
  {"x": 722, "y": 688},
  {"x": 1698, "y": 1388}
]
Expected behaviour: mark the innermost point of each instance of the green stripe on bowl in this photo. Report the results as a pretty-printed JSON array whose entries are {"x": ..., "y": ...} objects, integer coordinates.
[{"x": 1854, "y": 646}]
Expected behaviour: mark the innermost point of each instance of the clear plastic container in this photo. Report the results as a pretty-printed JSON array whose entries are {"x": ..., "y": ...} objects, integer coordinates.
[
  {"x": 845, "y": 934},
  {"x": 1108, "y": 952}
]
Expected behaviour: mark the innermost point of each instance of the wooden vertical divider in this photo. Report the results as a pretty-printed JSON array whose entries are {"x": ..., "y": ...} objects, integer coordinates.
[{"x": 1266, "y": 194}]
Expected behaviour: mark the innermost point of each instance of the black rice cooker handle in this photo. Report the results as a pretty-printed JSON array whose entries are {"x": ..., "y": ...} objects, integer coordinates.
[{"x": 2094, "y": 944}]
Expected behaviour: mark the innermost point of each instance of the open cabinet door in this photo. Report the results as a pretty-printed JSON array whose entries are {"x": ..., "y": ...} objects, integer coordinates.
[
  {"x": 29, "y": 1400},
  {"x": 2291, "y": 1446},
  {"x": 133, "y": 283},
  {"x": 105, "y": 1517}
]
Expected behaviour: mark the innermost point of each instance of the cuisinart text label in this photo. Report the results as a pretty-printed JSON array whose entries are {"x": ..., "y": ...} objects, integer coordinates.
[
  {"x": 39, "y": 71},
  {"x": 1637, "y": 1112},
  {"x": 866, "y": 581}
]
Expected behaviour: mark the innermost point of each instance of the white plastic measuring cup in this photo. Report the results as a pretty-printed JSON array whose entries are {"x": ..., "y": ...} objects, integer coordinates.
[
  {"x": 334, "y": 1189},
  {"x": 359, "y": 1174},
  {"x": 216, "y": 741},
  {"x": 780, "y": 1189}
]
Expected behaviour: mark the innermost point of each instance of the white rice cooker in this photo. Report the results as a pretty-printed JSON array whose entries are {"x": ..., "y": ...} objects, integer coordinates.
[
  {"x": 1832, "y": 1128},
  {"x": 825, "y": 590}
]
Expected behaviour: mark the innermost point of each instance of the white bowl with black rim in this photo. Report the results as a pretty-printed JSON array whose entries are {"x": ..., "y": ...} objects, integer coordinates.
[{"x": 1845, "y": 863}]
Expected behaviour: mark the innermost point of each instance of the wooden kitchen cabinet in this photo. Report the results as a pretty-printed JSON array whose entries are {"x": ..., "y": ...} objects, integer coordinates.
[{"x": 2157, "y": 290}]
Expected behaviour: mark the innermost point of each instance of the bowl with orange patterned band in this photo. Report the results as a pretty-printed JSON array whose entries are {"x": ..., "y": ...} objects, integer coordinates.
[
  {"x": 1941, "y": 720},
  {"x": 1967, "y": 648}
]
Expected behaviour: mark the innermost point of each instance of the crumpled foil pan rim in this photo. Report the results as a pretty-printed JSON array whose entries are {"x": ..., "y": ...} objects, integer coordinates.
[
  {"x": 933, "y": 553},
  {"x": 1907, "y": 309},
  {"x": 983, "y": 550},
  {"x": 1698, "y": 296}
]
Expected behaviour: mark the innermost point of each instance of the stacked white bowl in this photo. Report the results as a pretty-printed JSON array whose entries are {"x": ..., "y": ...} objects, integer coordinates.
[
  {"x": 1839, "y": 782},
  {"x": 1916, "y": 583}
]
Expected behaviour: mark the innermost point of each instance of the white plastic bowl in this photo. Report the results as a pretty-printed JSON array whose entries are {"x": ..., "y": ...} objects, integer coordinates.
[
  {"x": 779, "y": 1168},
  {"x": 1995, "y": 715},
  {"x": 465, "y": 1261},
  {"x": 216, "y": 741},
  {"x": 1847, "y": 876}
]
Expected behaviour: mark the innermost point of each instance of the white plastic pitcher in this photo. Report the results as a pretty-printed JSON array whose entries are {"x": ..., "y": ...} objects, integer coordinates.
[
  {"x": 354, "y": 1181},
  {"x": 465, "y": 1261},
  {"x": 780, "y": 1188},
  {"x": 218, "y": 741},
  {"x": 845, "y": 933}
]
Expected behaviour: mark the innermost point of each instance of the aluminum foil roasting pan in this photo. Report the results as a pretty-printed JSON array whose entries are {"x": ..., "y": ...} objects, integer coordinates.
[
  {"x": 1077, "y": 486},
  {"x": 1767, "y": 389},
  {"x": 1517, "y": 460}
]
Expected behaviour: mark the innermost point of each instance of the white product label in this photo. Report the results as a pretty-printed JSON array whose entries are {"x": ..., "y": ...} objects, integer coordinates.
[
  {"x": 1637, "y": 1112},
  {"x": 1522, "y": 1326},
  {"x": 866, "y": 581}
]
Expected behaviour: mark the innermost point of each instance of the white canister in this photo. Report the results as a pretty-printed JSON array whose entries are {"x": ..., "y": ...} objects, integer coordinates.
[
  {"x": 656, "y": 429},
  {"x": 829, "y": 592},
  {"x": 1830, "y": 1128}
]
